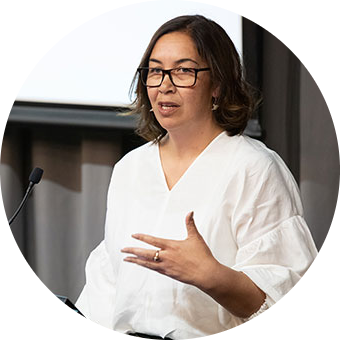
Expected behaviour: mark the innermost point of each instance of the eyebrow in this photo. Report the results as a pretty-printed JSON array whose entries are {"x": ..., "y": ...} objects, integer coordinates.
[{"x": 180, "y": 61}]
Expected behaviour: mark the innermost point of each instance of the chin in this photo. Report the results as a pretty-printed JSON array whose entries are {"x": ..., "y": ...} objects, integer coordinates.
[{"x": 167, "y": 122}]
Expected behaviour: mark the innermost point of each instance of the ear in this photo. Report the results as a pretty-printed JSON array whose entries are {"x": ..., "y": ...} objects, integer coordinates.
[{"x": 216, "y": 91}]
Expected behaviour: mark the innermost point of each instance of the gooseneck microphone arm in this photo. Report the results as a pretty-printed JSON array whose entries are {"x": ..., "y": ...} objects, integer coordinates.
[
  {"x": 34, "y": 178},
  {"x": 30, "y": 186}
]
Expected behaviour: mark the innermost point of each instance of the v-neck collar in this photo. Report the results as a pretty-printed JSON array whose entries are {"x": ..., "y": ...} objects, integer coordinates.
[{"x": 161, "y": 170}]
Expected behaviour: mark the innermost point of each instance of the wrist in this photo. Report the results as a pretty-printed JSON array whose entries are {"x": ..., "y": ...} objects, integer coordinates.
[{"x": 212, "y": 274}]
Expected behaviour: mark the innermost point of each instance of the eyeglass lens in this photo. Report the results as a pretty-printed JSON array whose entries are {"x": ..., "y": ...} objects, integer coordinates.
[{"x": 179, "y": 77}]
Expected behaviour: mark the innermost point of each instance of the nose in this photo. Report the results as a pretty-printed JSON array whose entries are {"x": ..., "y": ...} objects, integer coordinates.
[{"x": 167, "y": 85}]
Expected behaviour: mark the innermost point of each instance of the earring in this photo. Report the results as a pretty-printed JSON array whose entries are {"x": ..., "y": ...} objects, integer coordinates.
[
  {"x": 214, "y": 106},
  {"x": 151, "y": 110}
]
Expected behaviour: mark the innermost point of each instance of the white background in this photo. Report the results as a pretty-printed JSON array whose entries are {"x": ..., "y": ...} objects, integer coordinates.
[{"x": 95, "y": 64}]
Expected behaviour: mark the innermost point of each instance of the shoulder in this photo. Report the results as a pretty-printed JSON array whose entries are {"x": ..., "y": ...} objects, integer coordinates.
[
  {"x": 135, "y": 156},
  {"x": 252, "y": 155},
  {"x": 130, "y": 166},
  {"x": 255, "y": 162}
]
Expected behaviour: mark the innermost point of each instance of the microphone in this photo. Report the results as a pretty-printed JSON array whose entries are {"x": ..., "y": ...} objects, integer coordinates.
[{"x": 34, "y": 178}]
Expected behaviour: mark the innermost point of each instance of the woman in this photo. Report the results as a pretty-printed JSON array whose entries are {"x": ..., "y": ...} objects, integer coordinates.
[{"x": 161, "y": 270}]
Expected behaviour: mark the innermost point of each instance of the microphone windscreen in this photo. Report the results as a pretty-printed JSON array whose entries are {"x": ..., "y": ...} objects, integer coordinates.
[{"x": 36, "y": 175}]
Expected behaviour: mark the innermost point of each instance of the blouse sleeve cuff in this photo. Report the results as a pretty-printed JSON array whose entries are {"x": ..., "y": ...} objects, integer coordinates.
[{"x": 263, "y": 308}]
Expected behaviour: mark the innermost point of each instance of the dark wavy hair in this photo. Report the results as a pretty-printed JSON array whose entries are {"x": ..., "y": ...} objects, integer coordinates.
[{"x": 236, "y": 101}]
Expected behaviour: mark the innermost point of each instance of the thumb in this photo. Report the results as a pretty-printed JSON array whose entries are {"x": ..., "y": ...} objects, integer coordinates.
[{"x": 190, "y": 224}]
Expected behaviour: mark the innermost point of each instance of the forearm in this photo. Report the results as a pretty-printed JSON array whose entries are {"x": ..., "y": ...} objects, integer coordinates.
[{"x": 233, "y": 290}]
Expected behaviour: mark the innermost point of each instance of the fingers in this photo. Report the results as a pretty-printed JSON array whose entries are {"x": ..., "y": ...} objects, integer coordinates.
[
  {"x": 154, "y": 241},
  {"x": 165, "y": 243},
  {"x": 145, "y": 263},
  {"x": 147, "y": 254},
  {"x": 143, "y": 257}
]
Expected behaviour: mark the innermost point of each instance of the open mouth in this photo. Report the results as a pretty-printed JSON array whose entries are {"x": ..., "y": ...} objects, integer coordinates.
[
  {"x": 167, "y": 106},
  {"x": 167, "y": 109}
]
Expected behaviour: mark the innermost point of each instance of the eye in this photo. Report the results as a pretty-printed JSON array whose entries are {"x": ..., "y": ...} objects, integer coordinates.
[
  {"x": 155, "y": 70},
  {"x": 188, "y": 70}
]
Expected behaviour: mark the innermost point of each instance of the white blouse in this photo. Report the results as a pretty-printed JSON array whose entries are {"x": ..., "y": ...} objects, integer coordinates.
[{"x": 247, "y": 208}]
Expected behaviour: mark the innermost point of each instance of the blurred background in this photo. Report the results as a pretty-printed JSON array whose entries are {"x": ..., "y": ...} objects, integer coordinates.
[{"x": 66, "y": 120}]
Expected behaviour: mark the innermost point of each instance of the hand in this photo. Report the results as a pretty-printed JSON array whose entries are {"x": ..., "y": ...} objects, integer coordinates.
[{"x": 188, "y": 261}]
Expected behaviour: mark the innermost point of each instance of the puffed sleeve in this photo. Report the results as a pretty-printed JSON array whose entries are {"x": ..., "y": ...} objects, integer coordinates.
[{"x": 275, "y": 247}]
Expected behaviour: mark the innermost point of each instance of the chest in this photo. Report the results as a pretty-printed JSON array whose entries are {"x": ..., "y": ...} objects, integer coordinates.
[{"x": 174, "y": 168}]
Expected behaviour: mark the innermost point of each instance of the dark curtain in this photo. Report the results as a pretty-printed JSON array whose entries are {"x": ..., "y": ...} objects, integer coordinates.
[{"x": 275, "y": 70}]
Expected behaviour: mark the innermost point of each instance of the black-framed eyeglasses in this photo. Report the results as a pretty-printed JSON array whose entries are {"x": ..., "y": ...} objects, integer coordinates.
[{"x": 179, "y": 77}]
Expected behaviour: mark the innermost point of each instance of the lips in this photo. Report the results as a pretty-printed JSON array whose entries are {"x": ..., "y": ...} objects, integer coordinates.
[
  {"x": 166, "y": 108},
  {"x": 167, "y": 104}
]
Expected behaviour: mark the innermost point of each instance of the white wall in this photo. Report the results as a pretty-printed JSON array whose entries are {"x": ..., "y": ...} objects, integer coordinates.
[{"x": 95, "y": 63}]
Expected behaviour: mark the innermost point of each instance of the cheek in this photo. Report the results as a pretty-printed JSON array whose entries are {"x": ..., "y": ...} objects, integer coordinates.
[
  {"x": 152, "y": 94},
  {"x": 200, "y": 99}
]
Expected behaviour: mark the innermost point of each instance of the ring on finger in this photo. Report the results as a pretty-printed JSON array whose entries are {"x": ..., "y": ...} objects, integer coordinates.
[{"x": 156, "y": 257}]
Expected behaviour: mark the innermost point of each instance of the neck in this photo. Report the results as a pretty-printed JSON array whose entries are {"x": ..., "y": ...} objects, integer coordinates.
[{"x": 191, "y": 142}]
